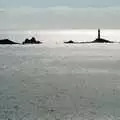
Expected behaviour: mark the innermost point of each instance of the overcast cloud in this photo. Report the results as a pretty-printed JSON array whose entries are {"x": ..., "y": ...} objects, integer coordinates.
[{"x": 59, "y": 14}]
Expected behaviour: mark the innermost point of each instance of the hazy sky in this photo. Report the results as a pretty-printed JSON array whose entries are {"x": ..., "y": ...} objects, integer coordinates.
[{"x": 59, "y": 14}]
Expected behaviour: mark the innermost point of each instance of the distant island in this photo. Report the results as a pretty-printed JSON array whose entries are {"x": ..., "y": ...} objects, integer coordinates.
[
  {"x": 70, "y": 41},
  {"x": 31, "y": 41},
  {"x": 98, "y": 40},
  {"x": 34, "y": 41},
  {"x": 7, "y": 41}
]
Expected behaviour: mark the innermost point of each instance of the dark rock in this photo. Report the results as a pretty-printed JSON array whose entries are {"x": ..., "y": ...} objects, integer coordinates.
[
  {"x": 98, "y": 40},
  {"x": 101, "y": 41},
  {"x": 7, "y": 41},
  {"x": 31, "y": 41},
  {"x": 69, "y": 42}
]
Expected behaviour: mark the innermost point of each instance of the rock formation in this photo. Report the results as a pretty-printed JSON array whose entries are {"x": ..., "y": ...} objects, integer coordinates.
[
  {"x": 7, "y": 41},
  {"x": 31, "y": 41},
  {"x": 101, "y": 40},
  {"x": 97, "y": 40},
  {"x": 70, "y": 41}
]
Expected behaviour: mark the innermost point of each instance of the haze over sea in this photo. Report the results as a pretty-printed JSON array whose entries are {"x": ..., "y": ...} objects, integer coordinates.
[
  {"x": 58, "y": 36},
  {"x": 56, "y": 81}
]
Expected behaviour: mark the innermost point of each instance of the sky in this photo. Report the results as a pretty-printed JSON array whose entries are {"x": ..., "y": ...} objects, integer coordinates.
[{"x": 59, "y": 14}]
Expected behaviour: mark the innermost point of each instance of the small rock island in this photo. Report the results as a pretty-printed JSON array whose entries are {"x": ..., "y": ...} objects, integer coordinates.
[
  {"x": 31, "y": 41},
  {"x": 7, "y": 41},
  {"x": 97, "y": 40},
  {"x": 100, "y": 40},
  {"x": 70, "y": 41}
]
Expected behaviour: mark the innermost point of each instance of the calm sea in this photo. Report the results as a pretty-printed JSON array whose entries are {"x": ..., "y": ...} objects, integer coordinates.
[{"x": 54, "y": 81}]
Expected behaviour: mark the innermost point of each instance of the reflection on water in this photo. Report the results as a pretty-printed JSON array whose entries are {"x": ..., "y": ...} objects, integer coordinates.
[{"x": 61, "y": 82}]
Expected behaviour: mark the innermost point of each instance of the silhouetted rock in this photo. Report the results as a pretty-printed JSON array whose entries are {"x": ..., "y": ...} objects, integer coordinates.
[
  {"x": 98, "y": 40},
  {"x": 70, "y": 41},
  {"x": 101, "y": 40},
  {"x": 31, "y": 41},
  {"x": 7, "y": 41}
]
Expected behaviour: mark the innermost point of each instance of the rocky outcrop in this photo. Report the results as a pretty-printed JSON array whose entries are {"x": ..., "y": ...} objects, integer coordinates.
[
  {"x": 7, "y": 41},
  {"x": 100, "y": 40},
  {"x": 69, "y": 42},
  {"x": 31, "y": 41},
  {"x": 97, "y": 40}
]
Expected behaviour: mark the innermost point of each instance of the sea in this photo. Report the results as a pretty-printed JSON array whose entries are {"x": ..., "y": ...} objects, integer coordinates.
[{"x": 57, "y": 81}]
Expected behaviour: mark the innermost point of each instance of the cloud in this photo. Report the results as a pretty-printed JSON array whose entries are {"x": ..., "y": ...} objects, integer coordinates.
[
  {"x": 2, "y": 10},
  {"x": 60, "y": 17},
  {"x": 51, "y": 3}
]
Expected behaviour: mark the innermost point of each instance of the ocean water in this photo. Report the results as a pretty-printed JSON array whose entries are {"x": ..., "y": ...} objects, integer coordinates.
[{"x": 55, "y": 81}]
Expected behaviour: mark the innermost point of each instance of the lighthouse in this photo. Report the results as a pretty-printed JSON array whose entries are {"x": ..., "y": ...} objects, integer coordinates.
[{"x": 98, "y": 33}]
